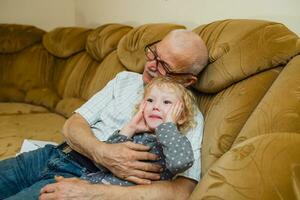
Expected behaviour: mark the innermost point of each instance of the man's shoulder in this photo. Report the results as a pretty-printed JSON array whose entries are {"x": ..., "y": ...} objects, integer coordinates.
[
  {"x": 128, "y": 83},
  {"x": 126, "y": 75}
]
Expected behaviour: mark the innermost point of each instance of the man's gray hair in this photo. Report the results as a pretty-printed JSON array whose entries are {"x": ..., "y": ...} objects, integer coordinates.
[{"x": 195, "y": 50}]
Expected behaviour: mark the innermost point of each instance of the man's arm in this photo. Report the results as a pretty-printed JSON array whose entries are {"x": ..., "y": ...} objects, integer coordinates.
[
  {"x": 180, "y": 189},
  {"x": 121, "y": 159}
]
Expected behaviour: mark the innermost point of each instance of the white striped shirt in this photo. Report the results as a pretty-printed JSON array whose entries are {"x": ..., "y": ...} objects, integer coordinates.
[{"x": 112, "y": 107}]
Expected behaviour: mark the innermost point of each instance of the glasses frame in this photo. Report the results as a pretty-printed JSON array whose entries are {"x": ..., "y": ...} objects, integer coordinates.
[{"x": 164, "y": 65}]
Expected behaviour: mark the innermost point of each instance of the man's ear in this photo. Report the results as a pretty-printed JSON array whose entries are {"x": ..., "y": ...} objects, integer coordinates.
[{"x": 190, "y": 81}]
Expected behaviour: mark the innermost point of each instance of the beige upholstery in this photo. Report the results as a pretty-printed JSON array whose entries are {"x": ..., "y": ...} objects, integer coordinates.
[{"x": 249, "y": 95}]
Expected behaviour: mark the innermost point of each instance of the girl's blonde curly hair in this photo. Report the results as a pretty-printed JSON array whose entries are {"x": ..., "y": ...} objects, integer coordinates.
[{"x": 187, "y": 98}]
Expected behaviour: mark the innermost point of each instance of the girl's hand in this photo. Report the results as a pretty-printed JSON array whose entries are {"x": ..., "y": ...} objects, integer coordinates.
[
  {"x": 137, "y": 123},
  {"x": 174, "y": 113}
]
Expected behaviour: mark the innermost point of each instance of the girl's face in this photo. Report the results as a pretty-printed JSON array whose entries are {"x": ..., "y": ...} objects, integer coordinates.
[{"x": 158, "y": 102}]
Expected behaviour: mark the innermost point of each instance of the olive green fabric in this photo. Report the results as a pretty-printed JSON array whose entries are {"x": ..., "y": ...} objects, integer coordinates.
[
  {"x": 131, "y": 47},
  {"x": 11, "y": 93},
  {"x": 228, "y": 112},
  {"x": 279, "y": 110},
  {"x": 249, "y": 96},
  {"x": 15, "y": 37},
  {"x": 67, "y": 106},
  {"x": 63, "y": 42},
  {"x": 17, "y": 127},
  {"x": 105, "y": 39},
  {"x": 20, "y": 108},
  {"x": 264, "y": 46},
  {"x": 264, "y": 167},
  {"x": 32, "y": 68},
  {"x": 42, "y": 96},
  {"x": 106, "y": 71},
  {"x": 6, "y": 63}
]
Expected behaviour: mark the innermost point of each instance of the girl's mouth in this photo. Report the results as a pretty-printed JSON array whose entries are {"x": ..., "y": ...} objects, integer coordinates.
[{"x": 155, "y": 117}]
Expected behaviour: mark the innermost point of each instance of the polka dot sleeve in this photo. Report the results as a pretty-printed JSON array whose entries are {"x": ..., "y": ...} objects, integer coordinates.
[
  {"x": 117, "y": 138},
  {"x": 176, "y": 148}
]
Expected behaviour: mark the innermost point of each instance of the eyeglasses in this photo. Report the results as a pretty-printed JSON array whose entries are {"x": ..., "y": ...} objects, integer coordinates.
[{"x": 162, "y": 66}]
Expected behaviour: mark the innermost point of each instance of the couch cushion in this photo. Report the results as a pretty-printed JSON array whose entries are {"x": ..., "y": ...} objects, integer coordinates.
[
  {"x": 237, "y": 53},
  {"x": 32, "y": 68},
  {"x": 228, "y": 111},
  {"x": 42, "y": 96},
  {"x": 104, "y": 39},
  {"x": 264, "y": 167},
  {"x": 63, "y": 42},
  {"x": 131, "y": 47},
  {"x": 38, "y": 126},
  {"x": 14, "y": 37},
  {"x": 279, "y": 110},
  {"x": 11, "y": 93},
  {"x": 20, "y": 108},
  {"x": 106, "y": 71},
  {"x": 67, "y": 106},
  {"x": 76, "y": 75}
]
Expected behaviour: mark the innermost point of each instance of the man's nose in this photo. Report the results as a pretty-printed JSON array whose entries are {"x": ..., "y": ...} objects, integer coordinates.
[{"x": 152, "y": 65}]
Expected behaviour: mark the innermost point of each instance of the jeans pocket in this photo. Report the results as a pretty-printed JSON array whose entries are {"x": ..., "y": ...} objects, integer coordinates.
[{"x": 62, "y": 165}]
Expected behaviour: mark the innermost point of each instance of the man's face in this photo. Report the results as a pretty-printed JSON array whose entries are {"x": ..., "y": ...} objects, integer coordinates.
[
  {"x": 163, "y": 60},
  {"x": 152, "y": 68},
  {"x": 158, "y": 102}
]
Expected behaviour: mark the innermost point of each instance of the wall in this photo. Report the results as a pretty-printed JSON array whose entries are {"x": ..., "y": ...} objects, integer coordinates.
[
  {"x": 48, "y": 14},
  {"x": 45, "y": 14},
  {"x": 190, "y": 13}
]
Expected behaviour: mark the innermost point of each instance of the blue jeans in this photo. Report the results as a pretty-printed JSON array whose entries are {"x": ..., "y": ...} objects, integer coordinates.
[{"x": 23, "y": 177}]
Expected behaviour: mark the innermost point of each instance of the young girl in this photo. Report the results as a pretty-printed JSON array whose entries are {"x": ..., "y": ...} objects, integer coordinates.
[{"x": 164, "y": 115}]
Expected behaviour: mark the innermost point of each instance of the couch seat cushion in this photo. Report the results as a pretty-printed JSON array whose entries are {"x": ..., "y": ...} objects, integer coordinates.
[{"x": 14, "y": 128}]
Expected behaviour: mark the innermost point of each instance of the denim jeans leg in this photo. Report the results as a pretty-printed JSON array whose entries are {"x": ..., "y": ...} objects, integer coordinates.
[
  {"x": 24, "y": 170},
  {"x": 32, "y": 192}
]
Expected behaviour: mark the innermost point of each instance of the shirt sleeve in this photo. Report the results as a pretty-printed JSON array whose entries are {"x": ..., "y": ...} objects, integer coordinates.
[
  {"x": 92, "y": 109},
  {"x": 195, "y": 137},
  {"x": 116, "y": 137},
  {"x": 177, "y": 148}
]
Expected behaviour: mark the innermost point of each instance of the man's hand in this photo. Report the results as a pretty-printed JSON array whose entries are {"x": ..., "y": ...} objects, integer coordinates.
[
  {"x": 69, "y": 188},
  {"x": 125, "y": 160}
]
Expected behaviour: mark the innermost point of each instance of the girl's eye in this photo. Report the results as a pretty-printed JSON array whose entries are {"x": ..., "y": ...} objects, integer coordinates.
[
  {"x": 149, "y": 100},
  {"x": 167, "y": 102}
]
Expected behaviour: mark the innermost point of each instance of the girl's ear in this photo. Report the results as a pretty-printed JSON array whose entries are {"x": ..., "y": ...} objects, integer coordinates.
[{"x": 181, "y": 120}]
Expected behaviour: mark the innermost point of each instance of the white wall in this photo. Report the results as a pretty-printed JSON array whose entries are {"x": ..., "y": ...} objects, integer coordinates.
[
  {"x": 190, "y": 13},
  {"x": 45, "y": 14},
  {"x": 48, "y": 14}
]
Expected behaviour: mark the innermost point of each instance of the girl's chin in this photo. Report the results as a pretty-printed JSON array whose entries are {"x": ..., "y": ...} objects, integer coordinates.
[{"x": 153, "y": 126}]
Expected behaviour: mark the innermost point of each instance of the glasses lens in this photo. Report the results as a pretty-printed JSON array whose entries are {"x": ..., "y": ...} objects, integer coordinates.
[
  {"x": 149, "y": 54},
  {"x": 160, "y": 68}
]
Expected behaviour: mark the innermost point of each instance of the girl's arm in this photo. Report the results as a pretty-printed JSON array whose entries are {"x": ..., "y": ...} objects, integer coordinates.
[{"x": 176, "y": 148}]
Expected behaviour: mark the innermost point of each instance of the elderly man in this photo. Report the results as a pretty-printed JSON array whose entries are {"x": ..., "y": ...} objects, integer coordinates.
[{"x": 181, "y": 54}]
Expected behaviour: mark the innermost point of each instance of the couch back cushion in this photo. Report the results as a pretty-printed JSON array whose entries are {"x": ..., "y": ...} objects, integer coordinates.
[
  {"x": 32, "y": 68},
  {"x": 237, "y": 53},
  {"x": 131, "y": 47},
  {"x": 244, "y": 64},
  {"x": 14, "y": 38},
  {"x": 104, "y": 39},
  {"x": 64, "y": 42}
]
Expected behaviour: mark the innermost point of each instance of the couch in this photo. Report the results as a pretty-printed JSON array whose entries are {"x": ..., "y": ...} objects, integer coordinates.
[{"x": 249, "y": 95}]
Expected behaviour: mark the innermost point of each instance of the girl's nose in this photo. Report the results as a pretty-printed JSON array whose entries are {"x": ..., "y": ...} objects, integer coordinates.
[{"x": 155, "y": 107}]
